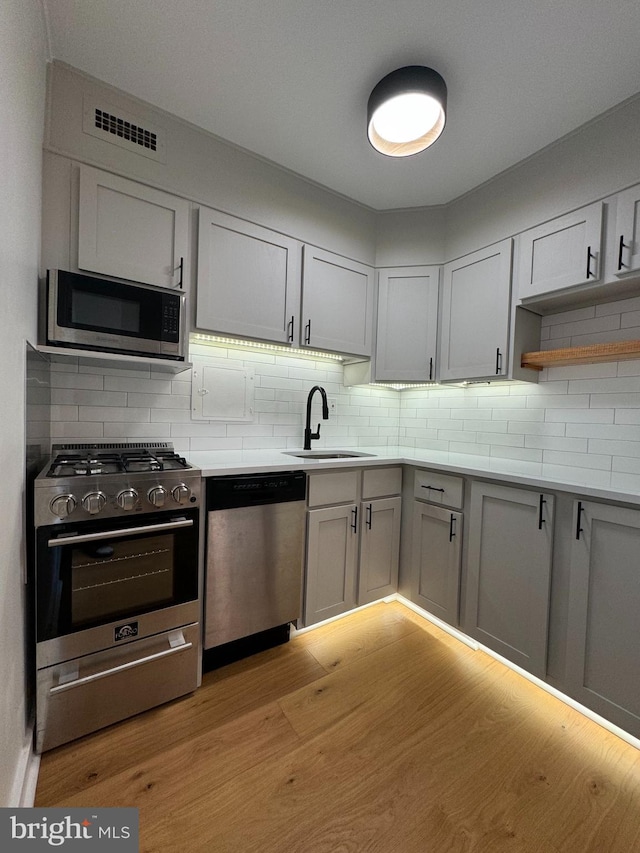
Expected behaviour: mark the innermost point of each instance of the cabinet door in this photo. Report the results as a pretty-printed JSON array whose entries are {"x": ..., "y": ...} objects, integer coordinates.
[
  {"x": 337, "y": 303},
  {"x": 131, "y": 231},
  {"x": 332, "y": 552},
  {"x": 603, "y": 654},
  {"x": 475, "y": 314},
  {"x": 248, "y": 279},
  {"x": 379, "y": 548},
  {"x": 627, "y": 235},
  {"x": 509, "y": 572},
  {"x": 561, "y": 253},
  {"x": 436, "y": 560},
  {"x": 407, "y": 324}
]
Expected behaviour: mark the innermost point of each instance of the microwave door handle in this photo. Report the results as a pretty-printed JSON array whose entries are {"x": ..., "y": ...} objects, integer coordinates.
[{"x": 116, "y": 534}]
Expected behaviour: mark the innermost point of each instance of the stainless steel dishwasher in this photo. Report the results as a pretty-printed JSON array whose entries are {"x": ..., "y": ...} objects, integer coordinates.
[{"x": 254, "y": 562}]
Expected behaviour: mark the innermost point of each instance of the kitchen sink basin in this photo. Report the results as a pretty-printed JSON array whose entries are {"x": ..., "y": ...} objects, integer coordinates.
[{"x": 325, "y": 454}]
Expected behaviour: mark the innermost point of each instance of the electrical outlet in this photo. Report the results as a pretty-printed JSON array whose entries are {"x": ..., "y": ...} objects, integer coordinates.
[{"x": 333, "y": 405}]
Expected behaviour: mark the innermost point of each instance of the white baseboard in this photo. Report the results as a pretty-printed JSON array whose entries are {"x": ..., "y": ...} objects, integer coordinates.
[
  {"x": 582, "y": 709},
  {"x": 25, "y": 780}
]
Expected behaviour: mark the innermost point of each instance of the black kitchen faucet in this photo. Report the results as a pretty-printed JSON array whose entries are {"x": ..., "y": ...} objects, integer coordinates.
[{"x": 308, "y": 435}]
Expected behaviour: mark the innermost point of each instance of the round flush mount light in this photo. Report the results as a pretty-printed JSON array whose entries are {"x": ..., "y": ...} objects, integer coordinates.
[{"x": 407, "y": 111}]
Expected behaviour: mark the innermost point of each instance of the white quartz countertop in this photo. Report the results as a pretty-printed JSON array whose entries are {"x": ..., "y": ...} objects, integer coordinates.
[{"x": 607, "y": 485}]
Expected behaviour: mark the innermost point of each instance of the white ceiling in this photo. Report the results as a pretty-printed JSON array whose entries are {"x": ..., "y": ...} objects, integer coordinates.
[{"x": 289, "y": 79}]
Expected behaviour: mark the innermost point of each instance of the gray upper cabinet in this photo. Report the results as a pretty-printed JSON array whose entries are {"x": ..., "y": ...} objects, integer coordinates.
[
  {"x": 474, "y": 333},
  {"x": 627, "y": 232},
  {"x": 603, "y": 658},
  {"x": 565, "y": 252},
  {"x": 248, "y": 281},
  {"x": 407, "y": 324},
  {"x": 131, "y": 231},
  {"x": 509, "y": 572},
  {"x": 337, "y": 303}
]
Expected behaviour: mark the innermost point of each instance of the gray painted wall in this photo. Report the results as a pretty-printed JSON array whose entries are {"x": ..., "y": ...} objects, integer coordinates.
[{"x": 22, "y": 94}]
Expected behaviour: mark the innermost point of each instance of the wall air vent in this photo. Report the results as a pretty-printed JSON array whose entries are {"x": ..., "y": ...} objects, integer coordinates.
[{"x": 111, "y": 124}]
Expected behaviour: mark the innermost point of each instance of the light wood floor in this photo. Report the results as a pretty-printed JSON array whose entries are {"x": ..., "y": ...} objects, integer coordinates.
[{"x": 376, "y": 733}]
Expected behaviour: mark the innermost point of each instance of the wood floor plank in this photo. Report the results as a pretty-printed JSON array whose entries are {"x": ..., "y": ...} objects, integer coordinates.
[
  {"x": 347, "y": 640},
  {"x": 419, "y": 744},
  {"x": 225, "y": 694}
]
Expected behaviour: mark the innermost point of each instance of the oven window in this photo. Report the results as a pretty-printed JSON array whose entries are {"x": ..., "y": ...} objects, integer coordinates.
[
  {"x": 84, "y": 584},
  {"x": 118, "y": 577}
]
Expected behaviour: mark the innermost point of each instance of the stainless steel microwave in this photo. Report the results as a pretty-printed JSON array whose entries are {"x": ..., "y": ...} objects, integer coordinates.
[{"x": 87, "y": 312}]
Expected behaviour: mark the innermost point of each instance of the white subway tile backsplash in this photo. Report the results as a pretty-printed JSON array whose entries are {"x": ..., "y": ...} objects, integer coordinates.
[
  {"x": 579, "y": 417},
  {"x": 548, "y": 442},
  {"x": 113, "y": 413},
  {"x": 561, "y": 401},
  {"x": 627, "y": 416},
  {"x": 136, "y": 432},
  {"x": 88, "y": 381},
  {"x": 524, "y": 454},
  {"x": 586, "y": 327},
  {"x": 577, "y": 460},
  {"x": 159, "y": 401},
  {"x": 618, "y": 432},
  {"x": 147, "y": 386},
  {"x": 536, "y": 428},
  {"x": 614, "y": 448},
  {"x": 70, "y": 397}
]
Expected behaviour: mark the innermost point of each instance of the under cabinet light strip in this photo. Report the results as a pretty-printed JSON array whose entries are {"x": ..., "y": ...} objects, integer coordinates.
[{"x": 197, "y": 337}]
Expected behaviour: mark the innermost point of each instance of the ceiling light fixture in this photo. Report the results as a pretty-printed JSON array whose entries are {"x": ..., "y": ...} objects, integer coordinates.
[{"x": 407, "y": 111}]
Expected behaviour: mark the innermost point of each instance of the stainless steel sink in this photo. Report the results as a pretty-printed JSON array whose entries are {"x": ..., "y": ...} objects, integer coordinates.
[{"x": 325, "y": 454}]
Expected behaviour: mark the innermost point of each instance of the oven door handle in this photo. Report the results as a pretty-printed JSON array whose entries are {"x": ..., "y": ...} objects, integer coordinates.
[
  {"x": 114, "y": 534},
  {"x": 78, "y": 682}
]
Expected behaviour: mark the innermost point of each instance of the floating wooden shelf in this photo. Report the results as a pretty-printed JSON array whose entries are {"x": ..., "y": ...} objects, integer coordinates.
[{"x": 618, "y": 351}]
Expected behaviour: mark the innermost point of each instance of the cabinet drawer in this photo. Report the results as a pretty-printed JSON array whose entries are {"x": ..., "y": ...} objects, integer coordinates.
[
  {"x": 438, "y": 488},
  {"x": 334, "y": 487},
  {"x": 380, "y": 482}
]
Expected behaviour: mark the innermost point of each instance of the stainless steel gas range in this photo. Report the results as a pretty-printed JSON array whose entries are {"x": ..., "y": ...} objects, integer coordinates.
[{"x": 115, "y": 585}]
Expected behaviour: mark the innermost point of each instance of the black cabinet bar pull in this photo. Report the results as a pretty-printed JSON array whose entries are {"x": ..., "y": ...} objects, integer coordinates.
[
  {"x": 622, "y": 245},
  {"x": 431, "y": 368},
  {"x": 433, "y": 488},
  {"x": 369, "y": 516},
  {"x": 181, "y": 272},
  {"x": 290, "y": 329},
  {"x": 590, "y": 255},
  {"x": 307, "y": 333},
  {"x": 498, "y": 361},
  {"x": 452, "y": 532},
  {"x": 354, "y": 523},
  {"x": 541, "y": 520},
  {"x": 579, "y": 518}
]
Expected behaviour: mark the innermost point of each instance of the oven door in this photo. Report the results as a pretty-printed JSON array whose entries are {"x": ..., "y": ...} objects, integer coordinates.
[{"x": 110, "y": 582}]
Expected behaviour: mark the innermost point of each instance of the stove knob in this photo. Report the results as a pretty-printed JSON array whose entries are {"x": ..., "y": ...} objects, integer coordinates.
[
  {"x": 157, "y": 495},
  {"x": 181, "y": 493},
  {"x": 63, "y": 505},
  {"x": 127, "y": 499},
  {"x": 94, "y": 502}
]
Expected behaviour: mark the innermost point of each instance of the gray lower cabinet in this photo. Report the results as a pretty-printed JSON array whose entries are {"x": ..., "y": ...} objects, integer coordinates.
[
  {"x": 379, "y": 548},
  {"x": 509, "y": 572},
  {"x": 603, "y": 653},
  {"x": 332, "y": 560},
  {"x": 436, "y": 560},
  {"x": 353, "y": 539}
]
